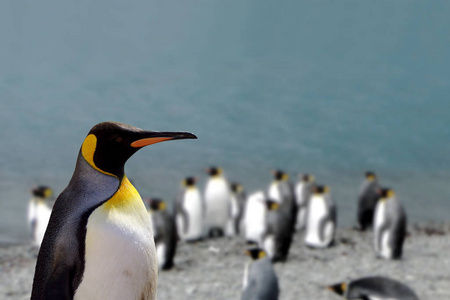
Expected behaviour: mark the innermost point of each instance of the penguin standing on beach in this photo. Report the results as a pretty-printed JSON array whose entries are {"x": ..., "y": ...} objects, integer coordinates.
[
  {"x": 389, "y": 226},
  {"x": 235, "y": 209},
  {"x": 189, "y": 211},
  {"x": 99, "y": 240},
  {"x": 164, "y": 232},
  {"x": 39, "y": 211},
  {"x": 374, "y": 288},
  {"x": 217, "y": 199},
  {"x": 321, "y": 218},
  {"x": 278, "y": 235},
  {"x": 255, "y": 218},
  {"x": 302, "y": 195},
  {"x": 367, "y": 200},
  {"x": 260, "y": 279}
]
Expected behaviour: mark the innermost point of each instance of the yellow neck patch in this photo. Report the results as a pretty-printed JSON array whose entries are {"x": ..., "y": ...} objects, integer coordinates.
[
  {"x": 88, "y": 150},
  {"x": 261, "y": 254},
  {"x": 126, "y": 197}
]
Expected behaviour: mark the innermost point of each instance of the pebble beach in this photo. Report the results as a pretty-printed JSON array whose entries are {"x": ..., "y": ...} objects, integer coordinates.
[{"x": 213, "y": 269}]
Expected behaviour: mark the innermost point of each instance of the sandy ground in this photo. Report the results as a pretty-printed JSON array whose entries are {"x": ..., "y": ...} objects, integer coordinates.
[{"x": 213, "y": 269}]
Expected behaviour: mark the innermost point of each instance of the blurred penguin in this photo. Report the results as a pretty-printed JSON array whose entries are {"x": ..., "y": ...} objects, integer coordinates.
[
  {"x": 321, "y": 218},
  {"x": 235, "y": 209},
  {"x": 39, "y": 211},
  {"x": 189, "y": 211},
  {"x": 375, "y": 288},
  {"x": 367, "y": 200},
  {"x": 389, "y": 226},
  {"x": 302, "y": 195},
  {"x": 164, "y": 233},
  {"x": 255, "y": 218},
  {"x": 217, "y": 198},
  {"x": 282, "y": 191},
  {"x": 278, "y": 235},
  {"x": 260, "y": 279}
]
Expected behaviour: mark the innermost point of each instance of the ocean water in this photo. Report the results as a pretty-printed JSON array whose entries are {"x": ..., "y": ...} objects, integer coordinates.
[{"x": 331, "y": 88}]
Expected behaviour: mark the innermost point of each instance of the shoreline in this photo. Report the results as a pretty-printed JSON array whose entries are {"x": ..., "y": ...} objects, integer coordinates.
[{"x": 214, "y": 268}]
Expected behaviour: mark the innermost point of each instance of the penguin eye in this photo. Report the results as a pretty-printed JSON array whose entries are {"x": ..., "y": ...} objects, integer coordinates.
[{"x": 118, "y": 139}]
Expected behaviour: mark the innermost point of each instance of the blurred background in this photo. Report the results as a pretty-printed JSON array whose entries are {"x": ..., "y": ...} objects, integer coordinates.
[{"x": 325, "y": 87}]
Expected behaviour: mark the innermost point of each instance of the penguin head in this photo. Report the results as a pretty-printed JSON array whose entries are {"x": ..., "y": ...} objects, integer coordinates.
[
  {"x": 320, "y": 189},
  {"x": 308, "y": 178},
  {"x": 189, "y": 182},
  {"x": 279, "y": 175},
  {"x": 42, "y": 191},
  {"x": 339, "y": 288},
  {"x": 386, "y": 193},
  {"x": 370, "y": 176},
  {"x": 110, "y": 144},
  {"x": 156, "y": 204},
  {"x": 237, "y": 188},
  {"x": 272, "y": 205},
  {"x": 214, "y": 171},
  {"x": 255, "y": 253}
]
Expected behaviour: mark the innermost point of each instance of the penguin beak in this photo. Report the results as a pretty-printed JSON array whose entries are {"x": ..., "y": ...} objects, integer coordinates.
[{"x": 152, "y": 137}]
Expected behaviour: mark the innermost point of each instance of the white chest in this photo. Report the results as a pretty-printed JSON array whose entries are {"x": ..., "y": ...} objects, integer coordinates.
[
  {"x": 274, "y": 192},
  {"x": 316, "y": 212},
  {"x": 120, "y": 258}
]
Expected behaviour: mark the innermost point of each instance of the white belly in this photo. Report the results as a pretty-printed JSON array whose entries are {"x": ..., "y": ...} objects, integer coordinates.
[
  {"x": 316, "y": 212},
  {"x": 120, "y": 258},
  {"x": 274, "y": 192},
  {"x": 194, "y": 207},
  {"x": 160, "y": 254},
  {"x": 255, "y": 218},
  {"x": 299, "y": 193},
  {"x": 217, "y": 198},
  {"x": 379, "y": 220},
  {"x": 43, "y": 213}
]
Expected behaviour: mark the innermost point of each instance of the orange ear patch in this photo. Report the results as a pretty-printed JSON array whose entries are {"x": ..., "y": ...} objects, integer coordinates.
[{"x": 149, "y": 141}]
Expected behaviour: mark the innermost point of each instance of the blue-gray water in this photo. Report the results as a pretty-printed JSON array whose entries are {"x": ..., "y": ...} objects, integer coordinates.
[{"x": 329, "y": 87}]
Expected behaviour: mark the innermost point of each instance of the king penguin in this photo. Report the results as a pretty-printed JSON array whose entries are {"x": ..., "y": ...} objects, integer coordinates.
[
  {"x": 367, "y": 200},
  {"x": 389, "y": 226},
  {"x": 260, "y": 279},
  {"x": 235, "y": 209},
  {"x": 39, "y": 211},
  {"x": 189, "y": 211},
  {"x": 374, "y": 288},
  {"x": 255, "y": 218},
  {"x": 321, "y": 218},
  {"x": 164, "y": 232},
  {"x": 217, "y": 199},
  {"x": 278, "y": 235},
  {"x": 99, "y": 240},
  {"x": 282, "y": 191},
  {"x": 302, "y": 195}
]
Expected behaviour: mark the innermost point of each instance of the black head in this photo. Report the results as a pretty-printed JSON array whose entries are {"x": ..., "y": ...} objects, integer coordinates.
[
  {"x": 280, "y": 175},
  {"x": 339, "y": 288},
  {"x": 255, "y": 253},
  {"x": 386, "y": 193},
  {"x": 237, "y": 187},
  {"x": 214, "y": 171},
  {"x": 370, "y": 175},
  {"x": 110, "y": 144},
  {"x": 272, "y": 205},
  {"x": 320, "y": 189},
  {"x": 308, "y": 178},
  {"x": 42, "y": 191},
  {"x": 156, "y": 204},
  {"x": 189, "y": 181}
]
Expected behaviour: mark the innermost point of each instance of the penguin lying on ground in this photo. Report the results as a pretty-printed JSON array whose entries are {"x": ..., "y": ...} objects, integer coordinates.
[
  {"x": 164, "y": 232},
  {"x": 39, "y": 211},
  {"x": 189, "y": 211},
  {"x": 389, "y": 226},
  {"x": 321, "y": 219},
  {"x": 260, "y": 279},
  {"x": 217, "y": 199},
  {"x": 99, "y": 241},
  {"x": 278, "y": 235},
  {"x": 302, "y": 195},
  {"x": 374, "y": 288},
  {"x": 235, "y": 209},
  {"x": 367, "y": 200}
]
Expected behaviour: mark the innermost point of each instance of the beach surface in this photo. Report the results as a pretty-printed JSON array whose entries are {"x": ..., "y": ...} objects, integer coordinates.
[{"x": 213, "y": 269}]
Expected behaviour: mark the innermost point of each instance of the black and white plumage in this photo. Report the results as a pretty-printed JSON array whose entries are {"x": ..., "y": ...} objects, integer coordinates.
[
  {"x": 321, "y": 219},
  {"x": 367, "y": 200},
  {"x": 164, "y": 233},
  {"x": 374, "y": 288},
  {"x": 39, "y": 211},
  {"x": 260, "y": 279},
  {"x": 235, "y": 209},
  {"x": 254, "y": 221},
  {"x": 302, "y": 196},
  {"x": 390, "y": 223}
]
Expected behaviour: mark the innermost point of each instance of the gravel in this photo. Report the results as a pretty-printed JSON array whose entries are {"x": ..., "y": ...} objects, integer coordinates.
[{"x": 213, "y": 269}]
